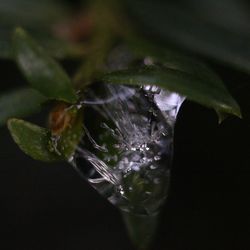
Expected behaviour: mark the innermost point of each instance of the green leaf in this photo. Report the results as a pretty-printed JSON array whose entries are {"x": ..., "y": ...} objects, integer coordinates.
[
  {"x": 19, "y": 103},
  {"x": 174, "y": 60},
  {"x": 41, "y": 71},
  {"x": 56, "y": 48},
  {"x": 171, "y": 59},
  {"x": 204, "y": 91},
  {"x": 32, "y": 140}
]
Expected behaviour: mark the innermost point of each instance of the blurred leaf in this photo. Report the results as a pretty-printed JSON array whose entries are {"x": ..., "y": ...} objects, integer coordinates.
[
  {"x": 32, "y": 140},
  {"x": 172, "y": 59},
  {"x": 217, "y": 29},
  {"x": 31, "y": 15},
  {"x": 102, "y": 42},
  {"x": 61, "y": 49},
  {"x": 35, "y": 14},
  {"x": 42, "y": 72},
  {"x": 56, "y": 48},
  {"x": 204, "y": 91},
  {"x": 19, "y": 103}
]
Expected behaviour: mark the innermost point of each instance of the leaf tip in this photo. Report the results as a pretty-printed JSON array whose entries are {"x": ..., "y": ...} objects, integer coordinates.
[
  {"x": 236, "y": 111},
  {"x": 222, "y": 115},
  {"x": 10, "y": 122},
  {"x": 239, "y": 114}
]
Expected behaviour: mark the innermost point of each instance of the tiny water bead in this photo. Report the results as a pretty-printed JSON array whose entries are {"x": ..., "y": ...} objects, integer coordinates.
[{"x": 126, "y": 149}]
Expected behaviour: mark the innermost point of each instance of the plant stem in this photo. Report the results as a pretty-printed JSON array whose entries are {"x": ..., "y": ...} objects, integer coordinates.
[{"x": 101, "y": 42}]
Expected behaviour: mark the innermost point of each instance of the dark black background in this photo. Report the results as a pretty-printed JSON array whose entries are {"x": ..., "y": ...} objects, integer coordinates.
[{"x": 49, "y": 207}]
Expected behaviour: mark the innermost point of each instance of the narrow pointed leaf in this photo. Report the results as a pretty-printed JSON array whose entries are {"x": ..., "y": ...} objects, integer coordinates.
[
  {"x": 32, "y": 140},
  {"x": 174, "y": 60},
  {"x": 41, "y": 71},
  {"x": 206, "y": 92},
  {"x": 20, "y": 103}
]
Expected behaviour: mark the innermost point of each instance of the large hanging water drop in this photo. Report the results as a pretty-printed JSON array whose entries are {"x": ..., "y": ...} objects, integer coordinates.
[{"x": 127, "y": 147}]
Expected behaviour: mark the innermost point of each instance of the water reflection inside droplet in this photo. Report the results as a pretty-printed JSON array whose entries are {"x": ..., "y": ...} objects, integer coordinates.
[{"x": 127, "y": 146}]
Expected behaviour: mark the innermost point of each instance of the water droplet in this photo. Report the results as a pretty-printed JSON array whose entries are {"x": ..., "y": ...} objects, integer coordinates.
[
  {"x": 153, "y": 167},
  {"x": 126, "y": 154},
  {"x": 157, "y": 181},
  {"x": 157, "y": 158},
  {"x": 136, "y": 167},
  {"x": 71, "y": 159},
  {"x": 148, "y": 61}
]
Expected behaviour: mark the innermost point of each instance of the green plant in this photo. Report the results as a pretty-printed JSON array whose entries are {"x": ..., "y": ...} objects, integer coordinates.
[{"x": 106, "y": 27}]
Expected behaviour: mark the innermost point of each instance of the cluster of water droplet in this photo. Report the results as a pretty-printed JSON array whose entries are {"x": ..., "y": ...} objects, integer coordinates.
[{"x": 127, "y": 146}]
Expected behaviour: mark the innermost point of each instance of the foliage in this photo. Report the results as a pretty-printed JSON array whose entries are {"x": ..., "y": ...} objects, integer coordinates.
[{"x": 167, "y": 33}]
